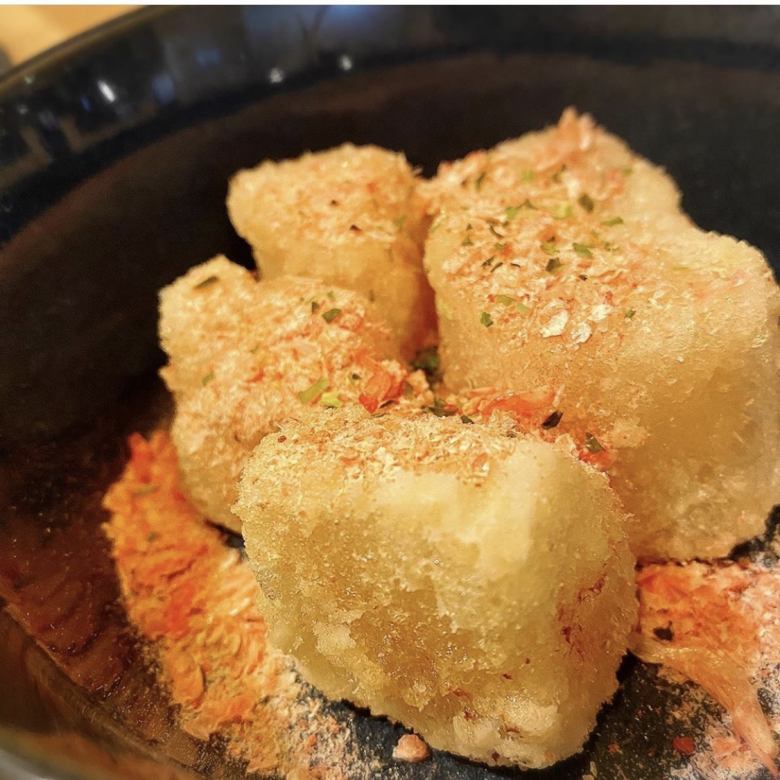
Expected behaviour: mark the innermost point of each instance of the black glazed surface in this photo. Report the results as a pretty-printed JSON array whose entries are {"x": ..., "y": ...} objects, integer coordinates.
[{"x": 115, "y": 152}]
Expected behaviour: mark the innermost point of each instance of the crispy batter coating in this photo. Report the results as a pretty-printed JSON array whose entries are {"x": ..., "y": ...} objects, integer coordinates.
[
  {"x": 476, "y": 586},
  {"x": 349, "y": 216},
  {"x": 567, "y": 276},
  {"x": 244, "y": 355}
]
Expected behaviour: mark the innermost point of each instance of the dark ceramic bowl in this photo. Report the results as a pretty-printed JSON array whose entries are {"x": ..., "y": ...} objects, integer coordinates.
[{"x": 115, "y": 150}]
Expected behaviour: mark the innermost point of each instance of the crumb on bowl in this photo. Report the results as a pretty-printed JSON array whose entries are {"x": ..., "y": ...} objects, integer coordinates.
[{"x": 411, "y": 748}]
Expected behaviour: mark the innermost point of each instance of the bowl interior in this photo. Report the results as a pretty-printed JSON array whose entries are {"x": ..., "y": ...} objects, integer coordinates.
[{"x": 114, "y": 158}]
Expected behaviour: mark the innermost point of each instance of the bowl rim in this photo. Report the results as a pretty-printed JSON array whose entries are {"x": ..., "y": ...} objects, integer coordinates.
[
  {"x": 49, "y": 64},
  {"x": 82, "y": 42}
]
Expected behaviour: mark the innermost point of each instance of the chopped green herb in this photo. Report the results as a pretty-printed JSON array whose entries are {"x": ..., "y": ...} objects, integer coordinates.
[
  {"x": 428, "y": 360},
  {"x": 627, "y": 171},
  {"x": 254, "y": 349},
  {"x": 526, "y": 204},
  {"x": 512, "y": 212},
  {"x": 548, "y": 247},
  {"x": 562, "y": 211},
  {"x": 467, "y": 241},
  {"x": 499, "y": 246},
  {"x": 583, "y": 250},
  {"x": 313, "y": 392},
  {"x": 331, "y": 295},
  {"x": 557, "y": 175},
  {"x": 592, "y": 444},
  {"x": 630, "y": 314},
  {"x": 207, "y": 282},
  {"x": 478, "y": 181},
  {"x": 206, "y": 379},
  {"x": 528, "y": 175},
  {"x": 553, "y": 264},
  {"x": 486, "y": 319},
  {"x": 586, "y": 202},
  {"x": 331, "y": 315},
  {"x": 487, "y": 263},
  {"x": 495, "y": 232},
  {"x": 495, "y": 267},
  {"x": 521, "y": 307},
  {"x": 440, "y": 409},
  {"x": 552, "y": 421},
  {"x": 466, "y": 420},
  {"x": 331, "y": 400},
  {"x": 152, "y": 536},
  {"x": 315, "y": 307},
  {"x": 612, "y": 221},
  {"x": 505, "y": 300},
  {"x": 145, "y": 490},
  {"x": 399, "y": 221}
]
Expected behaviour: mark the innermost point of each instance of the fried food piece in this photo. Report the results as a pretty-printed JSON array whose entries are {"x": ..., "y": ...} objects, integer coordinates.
[
  {"x": 244, "y": 355},
  {"x": 567, "y": 276},
  {"x": 476, "y": 587},
  {"x": 349, "y": 216}
]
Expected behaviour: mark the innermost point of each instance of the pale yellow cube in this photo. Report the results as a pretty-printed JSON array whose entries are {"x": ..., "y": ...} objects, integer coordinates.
[
  {"x": 244, "y": 355},
  {"x": 476, "y": 587},
  {"x": 564, "y": 270},
  {"x": 350, "y": 216}
]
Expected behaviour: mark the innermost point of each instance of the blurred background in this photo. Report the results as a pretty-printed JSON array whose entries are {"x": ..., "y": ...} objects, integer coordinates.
[{"x": 27, "y": 30}]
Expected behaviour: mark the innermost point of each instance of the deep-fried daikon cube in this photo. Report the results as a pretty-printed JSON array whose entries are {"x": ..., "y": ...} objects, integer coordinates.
[
  {"x": 244, "y": 355},
  {"x": 349, "y": 216},
  {"x": 475, "y": 586},
  {"x": 565, "y": 271}
]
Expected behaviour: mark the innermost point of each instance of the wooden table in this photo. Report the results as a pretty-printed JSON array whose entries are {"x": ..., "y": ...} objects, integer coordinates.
[{"x": 26, "y": 30}]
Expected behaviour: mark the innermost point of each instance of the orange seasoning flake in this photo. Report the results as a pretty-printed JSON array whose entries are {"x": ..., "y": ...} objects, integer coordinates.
[
  {"x": 196, "y": 601},
  {"x": 684, "y": 745},
  {"x": 719, "y": 626}
]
